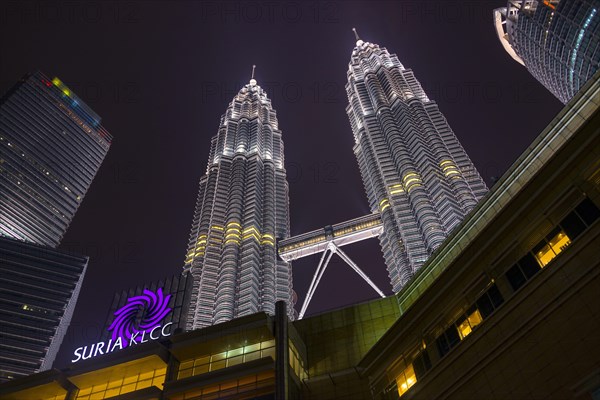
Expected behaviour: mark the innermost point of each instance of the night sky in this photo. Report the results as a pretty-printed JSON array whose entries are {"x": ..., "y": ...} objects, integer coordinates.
[{"x": 161, "y": 74}]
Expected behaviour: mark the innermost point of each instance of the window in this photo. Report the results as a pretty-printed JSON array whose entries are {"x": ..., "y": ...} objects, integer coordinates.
[
  {"x": 588, "y": 211},
  {"x": 421, "y": 364},
  {"x": 551, "y": 246},
  {"x": 572, "y": 225},
  {"x": 216, "y": 361},
  {"x": 406, "y": 379},
  {"x": 463, "y": 326},
  {"x": 489, "y": 301},
  {"x": 447, "y": 340},
  {"x": 558, "y": 240},
  {"x": 471, "y": 320},
  {"x": 119, "y": 385},
  {"x": 522, "y": 271}
]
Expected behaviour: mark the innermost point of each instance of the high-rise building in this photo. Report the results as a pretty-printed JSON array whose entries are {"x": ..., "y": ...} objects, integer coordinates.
[
  {"x": 52, "y": 145},
  {"x": 39, "y": 287},
  {"x": 558, "y": 41},
  {"x": 241, "y": 211},
  {"x": 414, "y": 170}
]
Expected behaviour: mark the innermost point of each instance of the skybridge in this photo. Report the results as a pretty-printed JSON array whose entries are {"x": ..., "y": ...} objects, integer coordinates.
[
  {"x": 341, "y": 234},
  {"x": 329, "y": 240}
]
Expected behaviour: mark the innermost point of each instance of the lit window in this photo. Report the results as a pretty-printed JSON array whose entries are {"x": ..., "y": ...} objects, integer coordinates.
[
  {"x": 556, "y": 243},
  {"x": 406, "y": 379},
  {"x": 472, "y": 320}
]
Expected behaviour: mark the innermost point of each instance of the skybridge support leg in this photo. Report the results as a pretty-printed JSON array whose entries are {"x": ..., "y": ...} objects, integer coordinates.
[
  {"x": 316, "y": 279},
  {"x": 351, "y": 263},
  {"x": 323, "y": 263}
]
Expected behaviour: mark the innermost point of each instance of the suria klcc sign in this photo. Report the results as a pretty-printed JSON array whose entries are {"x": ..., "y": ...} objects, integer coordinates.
[{"x": 126, "y": 331}]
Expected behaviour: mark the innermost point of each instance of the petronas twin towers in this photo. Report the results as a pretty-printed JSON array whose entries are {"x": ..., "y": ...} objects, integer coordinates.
[
  {"x": 415, "y": 172},
  {"x": 241, "y": 211}
]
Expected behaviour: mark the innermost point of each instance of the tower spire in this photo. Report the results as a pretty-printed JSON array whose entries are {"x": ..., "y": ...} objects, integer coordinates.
[
  {"x": 252, "y": 80},
  {"x": 358, "y": 40}
]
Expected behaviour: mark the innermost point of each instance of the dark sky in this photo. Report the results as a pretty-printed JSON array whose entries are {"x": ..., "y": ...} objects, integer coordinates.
[{"x": 161, "y": 74}]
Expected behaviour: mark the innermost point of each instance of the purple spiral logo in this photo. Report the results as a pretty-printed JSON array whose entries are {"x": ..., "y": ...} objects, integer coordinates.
[{"x": 124, "y": 323}]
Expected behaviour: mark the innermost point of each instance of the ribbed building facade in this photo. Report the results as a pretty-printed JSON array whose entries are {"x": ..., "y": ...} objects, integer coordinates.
[
  {"x": 241, "y": 211},
  {"x": 39, "y": 288},
  {"x": 51, "y": 146},
  {"x": 558, "y": 41},
  {"x": 414, "y": 170}
]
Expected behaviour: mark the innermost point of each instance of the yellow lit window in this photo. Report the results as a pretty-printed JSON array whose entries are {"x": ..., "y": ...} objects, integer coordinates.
[
  {"x": 201, "y": 369},
  {"x": 126, "y": 388},
  {"x": 252, "y": 356},
  {"x": 406, "y": 379},
  {"x": 216, "y": 365},
  {"x": 116, "y": 383},
  {"x": 559, "y": 242},
  {"x": 217, "y": 361},
  {"x": 235, "y": 360},
  {"x": 556, "y": 244},
  {"x": 465, "y": 328},
  {"x": 235, "y": 352},
  {"x": 251, "y": 348},
  {"x": 112, "y": 392},
  {"x": 544, "y": 255}
]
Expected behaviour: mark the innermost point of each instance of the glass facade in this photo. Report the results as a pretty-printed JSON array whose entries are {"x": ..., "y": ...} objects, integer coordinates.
[
  {"x": 39, "y": 287},
  {"x": 337, "y": 340},
  {"x": 241, "y": 210},
  {"x": 416, "y": 173},
  {"x": 557, "y": 41},
  {"x": 123, "y": 384},
  {"x": 51, "y": 146},
  {"x": 224, "y": 359},
  {"x": 248, "y": 387}
]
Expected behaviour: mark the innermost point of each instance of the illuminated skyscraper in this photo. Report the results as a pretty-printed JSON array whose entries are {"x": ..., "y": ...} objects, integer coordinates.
[
  {"x": 415, "y": 172},
  {"x": 241, "y": 210},
  {"x": 558, "y": 41},
  {"x": 51, "y": 146}
]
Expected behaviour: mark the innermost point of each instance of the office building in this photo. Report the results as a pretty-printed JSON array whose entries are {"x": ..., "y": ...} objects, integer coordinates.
[
  {"x": 52, "y": 145},
  {"x": 39, "y": 287},
  {"x": 558, "y": 41}
]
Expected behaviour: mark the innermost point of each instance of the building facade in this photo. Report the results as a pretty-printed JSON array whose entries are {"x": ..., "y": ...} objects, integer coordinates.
[
  {"x": 558, "y": 41},
  {"x": 241, "y": 211},
  {"x": 414, "y": 170},
  {"x": 52, "y": 145},
  {"x": 39, "y": 287}
]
